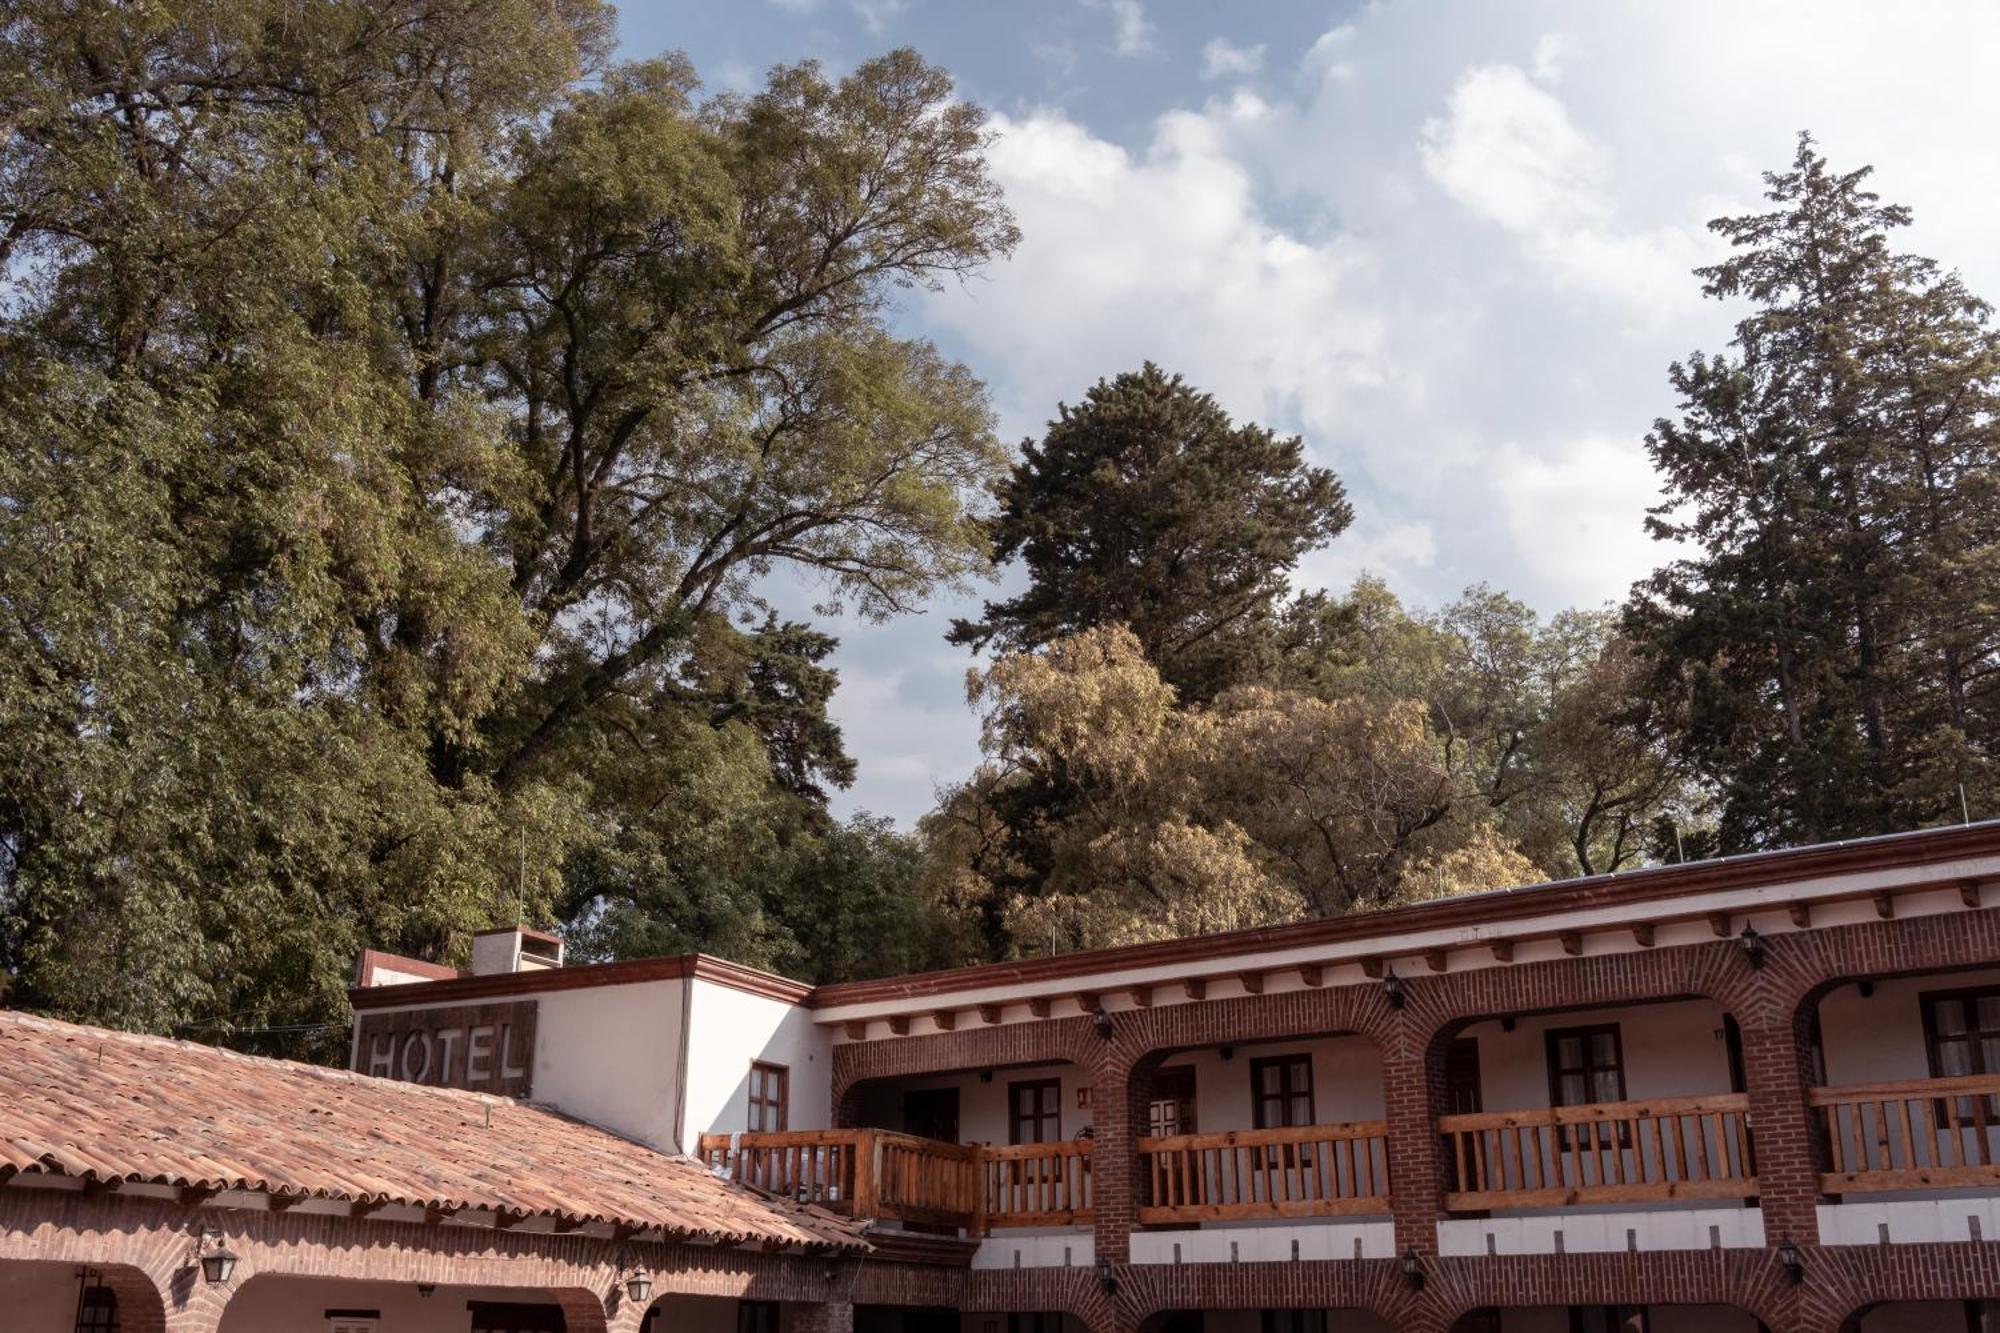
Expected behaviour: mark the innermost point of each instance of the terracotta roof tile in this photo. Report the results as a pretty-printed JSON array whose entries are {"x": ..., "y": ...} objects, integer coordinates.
[{"x": 104, "y": 1105}]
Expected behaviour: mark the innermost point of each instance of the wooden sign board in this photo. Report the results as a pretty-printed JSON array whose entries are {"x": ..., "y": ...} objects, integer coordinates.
[{"x": 479, "y": 1047}]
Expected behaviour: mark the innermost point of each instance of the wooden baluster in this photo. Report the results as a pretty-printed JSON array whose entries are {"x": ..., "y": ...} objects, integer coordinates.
[
  {"x": 1956, "y": 1156},
  {"x": 1458, "y": 1149},
  {"x": 1700, "y": 1151},
  {"x": 1836, "y": 1138},
  {"x": 1903, "y": 1132},
  {"x": 1981, "y": 1149},
  {"x": 1659, "y": 1158}
]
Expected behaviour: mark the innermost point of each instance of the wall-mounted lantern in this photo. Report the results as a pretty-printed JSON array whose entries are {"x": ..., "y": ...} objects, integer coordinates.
[{"x": 218, "y": 1261}]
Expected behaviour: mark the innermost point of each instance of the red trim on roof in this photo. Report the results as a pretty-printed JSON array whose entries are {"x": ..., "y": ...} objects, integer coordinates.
[
  {"x": 378, "y": 960},
  {"x": 1633, "y": 889}
]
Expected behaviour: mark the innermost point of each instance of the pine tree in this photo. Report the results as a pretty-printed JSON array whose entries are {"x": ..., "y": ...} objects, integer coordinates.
[
  {"x": 1826, "y": 655},
  {"x": 1146, "y": 506}
]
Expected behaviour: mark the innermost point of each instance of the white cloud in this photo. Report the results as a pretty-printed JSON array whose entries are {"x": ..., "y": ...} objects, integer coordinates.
[
  {"x": 876, "y": 15},
  {"x": 1551, "y": 52},
  {"x": 1451, "y": 250},
  {"x": 1159, "y": 255},
  {"x": 1134, "y": 31},
  {"x": 1576, "y": 514},
  {"x": 1220, "y": 60},
  {"x": 1508, "y": 150}
]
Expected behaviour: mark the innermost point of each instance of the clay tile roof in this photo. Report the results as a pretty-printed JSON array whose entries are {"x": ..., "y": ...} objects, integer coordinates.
[{"x": 104, "y": 1105}]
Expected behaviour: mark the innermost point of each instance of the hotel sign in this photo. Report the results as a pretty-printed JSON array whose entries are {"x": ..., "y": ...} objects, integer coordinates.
[{"x": 480, "y": 1047}]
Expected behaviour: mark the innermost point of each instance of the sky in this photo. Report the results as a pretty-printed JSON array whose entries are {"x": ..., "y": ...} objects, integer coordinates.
[{"x": 1448, "y": 243}]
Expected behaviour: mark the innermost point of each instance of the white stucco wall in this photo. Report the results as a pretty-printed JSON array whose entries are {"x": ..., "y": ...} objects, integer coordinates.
[
  {"x": 1346, "y": 1073},
  {"x": 608, "y": 1054},
  {"x": 1880, "y": 1038},
  {"x": 731, "y": 1028},
  {"x": 982, "y": 1105},
  {"x": 1671, "y": 1050}
]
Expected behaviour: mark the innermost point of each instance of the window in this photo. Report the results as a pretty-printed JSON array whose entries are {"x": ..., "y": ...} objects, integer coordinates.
[
  {"x": 1608, "y": 1319},
  {"x": 1170, "y": 1109},
  {"x": 1587, "y": 1065},
  {"x": 1035, "y": 1111},
  {"x": 1281, "y": 1091},
  {"x": 1962, "y": 1035},
  {"x": 769, "y": 1085},
  {"x": 96, "y": 1310},
  {"x": 756, "y": 1317}
]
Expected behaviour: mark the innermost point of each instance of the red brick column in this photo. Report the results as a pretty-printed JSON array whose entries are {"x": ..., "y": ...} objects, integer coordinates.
[
  {"x": 1781, "y": 1127},
  {"x": 816, "y": 1317},
  {"x": 1117, "y": 1109},
  {"x": 1412, "y": 1086}
]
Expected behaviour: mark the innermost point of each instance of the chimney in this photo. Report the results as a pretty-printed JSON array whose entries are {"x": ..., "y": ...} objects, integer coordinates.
[{"x": 514, "y": 949}]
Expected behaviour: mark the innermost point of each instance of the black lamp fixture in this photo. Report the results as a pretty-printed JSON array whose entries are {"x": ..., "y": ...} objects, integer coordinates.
[
  {"x": 426, "y": 1290},
  {"x": 1753, "y": 945},
  {"x": 1392, "y": 986},
  {"x": 1103, "y": 1021},
  {"x": 639, "y": 1286},
  {"x": 218, "y": 1264},
  {"x": 1107, "y": 1277},
  {"x": 1791, "y": 1260},
  {"x": 1413, "y": 1269}
]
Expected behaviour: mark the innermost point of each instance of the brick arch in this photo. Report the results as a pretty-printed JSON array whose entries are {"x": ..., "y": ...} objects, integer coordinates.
[
  {"x": 1843, "y": 1282},
  {"x": 1073, "y": 1291},
  {"x": 1717, "y": 971},
  {"x": 1803, "y": 967},
  {"x": 156, "y": 1240},
  {"x": 1047, "y": 1041},
  {"x": 142, "y": 1305},
  {"x": 1374, "y": 1285},
  {"x": 1749, "y": 1280}
]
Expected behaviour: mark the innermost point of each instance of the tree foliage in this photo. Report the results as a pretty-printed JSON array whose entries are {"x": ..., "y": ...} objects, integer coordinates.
[
  {"x": 1825, "y": 656},
  {"x": 1146, "y": 506},
  {"x": 402, "y": 408}
]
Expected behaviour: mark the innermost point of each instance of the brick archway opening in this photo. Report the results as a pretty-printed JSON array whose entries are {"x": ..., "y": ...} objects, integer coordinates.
[
  {"x": 1277, "y": 1319},
  {"x": 281, "y": 1300},
  {"x": 1673, "y": 1068},
  {"x": 1658, "y": 1318},
  {"x": 61, "y": 1296},
  {"x": 1941, "y": 1316},
  {"x": 1865, "y": 1046}
]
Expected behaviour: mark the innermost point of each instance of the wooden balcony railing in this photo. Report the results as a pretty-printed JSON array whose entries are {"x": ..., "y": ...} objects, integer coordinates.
[
  {"x": 868, "y": 1173},
  {"x": 1037, "y": 1184},
  {"x": 1308, "y": 1171},
  {"x": 1936, "y": 1133},
  {"x": 1609, "y": 1152}
]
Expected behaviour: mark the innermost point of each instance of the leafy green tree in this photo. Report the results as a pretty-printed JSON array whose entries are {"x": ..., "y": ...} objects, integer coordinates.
[
  {"x": 401, "y": 408},
  {"x": 1146, "y": 506},
  {"x": 1824, "y": 657}
]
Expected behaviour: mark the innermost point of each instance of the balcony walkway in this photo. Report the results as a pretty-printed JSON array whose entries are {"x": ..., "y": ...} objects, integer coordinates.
[{"x": 1913, "y": 1135}]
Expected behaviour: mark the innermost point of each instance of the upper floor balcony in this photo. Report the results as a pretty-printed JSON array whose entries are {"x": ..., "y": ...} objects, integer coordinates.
[{"x": 1643, "y": 1106}]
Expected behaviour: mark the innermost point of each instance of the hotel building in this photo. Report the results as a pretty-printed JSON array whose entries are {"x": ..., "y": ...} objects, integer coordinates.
[{"x": 1755, "y": 1093}]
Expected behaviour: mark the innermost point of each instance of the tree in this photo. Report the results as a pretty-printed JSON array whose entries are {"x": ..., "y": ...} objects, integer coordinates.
[
  {"x": 1835, "y": 476},
  {"x": 1146, "y": 506},
  {"x": 1266, "y": 806},
  {"x": 1546, "y": 723},
  {"x": 402, "y": 406}
]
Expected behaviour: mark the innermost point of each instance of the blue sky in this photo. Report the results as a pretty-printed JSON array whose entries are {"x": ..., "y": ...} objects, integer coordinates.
[{"x": 1446, "y": 242}]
